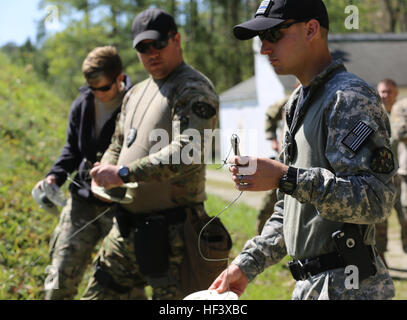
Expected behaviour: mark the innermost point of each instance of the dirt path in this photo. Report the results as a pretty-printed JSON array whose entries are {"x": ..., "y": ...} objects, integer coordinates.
[
  {"x": 219, "y": 183},
  {"x": 395, "y": 256}
]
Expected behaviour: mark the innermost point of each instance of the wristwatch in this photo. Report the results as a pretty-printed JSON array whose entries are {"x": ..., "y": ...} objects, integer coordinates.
[
  {"x": 288, "y": 182},
  {"x": 124, "y": 174}
]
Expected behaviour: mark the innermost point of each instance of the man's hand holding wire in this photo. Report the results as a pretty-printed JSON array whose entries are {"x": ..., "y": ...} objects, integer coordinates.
[{"x": 256, "y": 174}]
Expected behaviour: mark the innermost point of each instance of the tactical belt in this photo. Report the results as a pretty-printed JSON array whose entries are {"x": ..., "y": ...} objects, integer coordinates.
[
  {"x": 128, "y": 220},
  {"x": 303, "y": 269}
]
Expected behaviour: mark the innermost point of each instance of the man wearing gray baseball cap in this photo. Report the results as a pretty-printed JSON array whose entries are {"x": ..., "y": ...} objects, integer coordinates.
[
  {"x": 336, "y": 169},
  {"x": 153, "y": 241},
  {"x": 153, "y": 24}
]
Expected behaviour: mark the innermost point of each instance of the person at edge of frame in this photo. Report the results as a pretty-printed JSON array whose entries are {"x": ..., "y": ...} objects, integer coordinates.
[
  {"x": 91, "y": 125},
  {"x": 336, "y": 171},
  {"x": 154, "y": 238},
  {"x": 396, "y": 110}
]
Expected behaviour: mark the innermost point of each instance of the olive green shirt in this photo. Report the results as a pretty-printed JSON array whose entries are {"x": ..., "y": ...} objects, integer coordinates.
[{"x": 167, "y": 115}]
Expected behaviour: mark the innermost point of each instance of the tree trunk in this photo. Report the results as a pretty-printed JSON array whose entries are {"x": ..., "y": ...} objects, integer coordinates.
[
  {"x": 173, "y": 8},
  {"x": 193, "y": 15},
  {"x": 86, "y": 10},
  {"x": 113, "y": 19},
  {"x": 237, "y": 71},
  {"x": 393, "y": 14},
  {"x": 403, "y": 16}
]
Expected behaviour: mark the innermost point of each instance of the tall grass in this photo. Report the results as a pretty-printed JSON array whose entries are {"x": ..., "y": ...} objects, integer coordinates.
[{"x": 31, "y": 136}]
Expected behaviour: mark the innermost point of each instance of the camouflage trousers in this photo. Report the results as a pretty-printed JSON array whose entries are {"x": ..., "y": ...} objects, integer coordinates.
[
  {"x": 266, "y": 209},
  {"x": 332, "y": 285},
  {"x": 400, "y": 206},
  {"x": 118, "y": 262},
  {"x": 71, "y": 255}
]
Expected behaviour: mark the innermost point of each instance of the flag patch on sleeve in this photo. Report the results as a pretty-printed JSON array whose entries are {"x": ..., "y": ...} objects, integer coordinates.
[{"x": 357, "y": 137}]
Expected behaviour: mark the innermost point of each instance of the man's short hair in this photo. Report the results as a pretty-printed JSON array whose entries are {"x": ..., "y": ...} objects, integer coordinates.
[
  {"x": 389, "y": 82},
  {"x": 102, "y": 61}
]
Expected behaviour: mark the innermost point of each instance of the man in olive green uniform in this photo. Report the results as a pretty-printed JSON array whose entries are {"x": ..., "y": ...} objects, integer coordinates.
[
  {"x": 388, "y": 91},
  {"x": 335, "y": 178},
  {"x": 274, "y": 117},
  {"x": 146, "y": 244},
  {"x": 399, "y": 131}
]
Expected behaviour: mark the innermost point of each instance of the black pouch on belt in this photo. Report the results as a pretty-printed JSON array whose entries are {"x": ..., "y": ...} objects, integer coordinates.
[
  {"x": 123, "y": 219},
  {"x": 151, "y": 245},
  {"x": 349, "y": 243}
]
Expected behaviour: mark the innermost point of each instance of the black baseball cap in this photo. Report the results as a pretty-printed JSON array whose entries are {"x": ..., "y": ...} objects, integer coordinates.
[
  {"x": 272, "y": 13},
  {"x": 152, "y": 24}
]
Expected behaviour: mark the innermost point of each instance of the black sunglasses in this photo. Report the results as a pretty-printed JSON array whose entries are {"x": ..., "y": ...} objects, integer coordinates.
[
  {"x": 274, "y": 34},
  {"x": 103, "y": 89},
  {"x": 144, "y": 47}
]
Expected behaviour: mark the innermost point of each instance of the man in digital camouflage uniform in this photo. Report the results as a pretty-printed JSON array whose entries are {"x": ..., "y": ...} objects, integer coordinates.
[
  {"x": 146, "y": 244},
  {"x": 337, "y": 167},
  {"x": 91, "y": 125},
  {"x": 274, "y": 117},
  {"x": 388, "y": 92}
]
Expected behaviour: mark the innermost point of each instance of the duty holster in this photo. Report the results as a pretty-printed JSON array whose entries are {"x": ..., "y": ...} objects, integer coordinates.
[
  {"x": 353, "y": 251},
  {"x": 151, "y": 237}
]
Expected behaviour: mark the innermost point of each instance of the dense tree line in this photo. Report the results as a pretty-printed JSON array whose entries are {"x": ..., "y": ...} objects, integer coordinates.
[{"x": 205, "y": 25}]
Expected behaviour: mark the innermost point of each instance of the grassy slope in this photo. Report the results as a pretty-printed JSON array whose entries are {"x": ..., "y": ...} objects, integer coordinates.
[{"x": 32, "y": 131}]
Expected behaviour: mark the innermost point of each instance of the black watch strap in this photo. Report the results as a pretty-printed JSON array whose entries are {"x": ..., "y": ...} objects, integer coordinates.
[
  {"x": 288, "y": 182},
  {"x": 124, "y": 174}
]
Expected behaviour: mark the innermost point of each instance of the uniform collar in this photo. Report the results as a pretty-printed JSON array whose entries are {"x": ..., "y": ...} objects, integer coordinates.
[{"x": 321, "y": 78}]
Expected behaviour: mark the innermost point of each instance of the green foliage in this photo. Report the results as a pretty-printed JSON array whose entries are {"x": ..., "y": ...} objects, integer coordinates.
[
  {"x": 66, "y": 52},
  {"x": 206, "y": 28}
]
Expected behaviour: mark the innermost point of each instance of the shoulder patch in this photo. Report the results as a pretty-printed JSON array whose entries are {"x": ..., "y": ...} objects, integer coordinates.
[
  {"x": 204, "y": 110},
  {"x": 357, "y": 137},
  {"x": 382, "y": 161}
]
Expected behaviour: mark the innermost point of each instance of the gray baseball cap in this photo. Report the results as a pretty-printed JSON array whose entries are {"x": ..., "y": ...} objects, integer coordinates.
[{"x": 152, "y": 24}]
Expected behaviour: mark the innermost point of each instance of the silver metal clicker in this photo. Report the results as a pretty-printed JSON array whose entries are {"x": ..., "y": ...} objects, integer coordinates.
[{"x": 235, "y": 144}]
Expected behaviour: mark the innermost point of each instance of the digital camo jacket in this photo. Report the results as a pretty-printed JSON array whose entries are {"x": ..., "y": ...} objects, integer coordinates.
[{"x": 342, "y": 150}]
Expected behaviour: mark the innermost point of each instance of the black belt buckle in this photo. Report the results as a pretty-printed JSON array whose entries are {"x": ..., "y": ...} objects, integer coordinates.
[
  {"x": 297, "y": 270},
  {"x": 306, "y": 269}
]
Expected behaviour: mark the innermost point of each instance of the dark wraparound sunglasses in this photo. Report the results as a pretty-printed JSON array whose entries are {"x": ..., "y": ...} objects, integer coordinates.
[
  {"x": 104, "y": 88},
  {"x": 274, "y": 34},
  {"x": 144, "y": 47}
]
